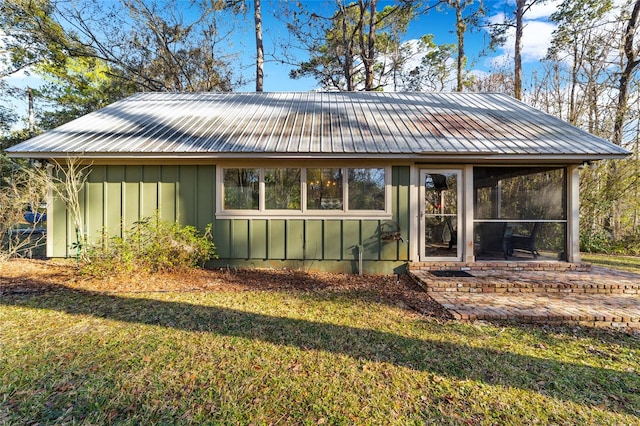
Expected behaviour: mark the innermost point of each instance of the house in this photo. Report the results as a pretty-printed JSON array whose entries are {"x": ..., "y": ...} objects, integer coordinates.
[{"x": 332, "y": 181}]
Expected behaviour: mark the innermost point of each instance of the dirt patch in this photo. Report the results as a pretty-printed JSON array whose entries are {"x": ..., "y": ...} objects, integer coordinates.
[{"x": 22, "y": 276}]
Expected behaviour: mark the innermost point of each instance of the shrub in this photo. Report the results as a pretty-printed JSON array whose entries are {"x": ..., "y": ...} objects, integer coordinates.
[
  {"x": 150, "y": 245},
  {"x": 602, "y": 242},
  {"x": 20, "y": 191},
  {"x": 595, "y": 242}
]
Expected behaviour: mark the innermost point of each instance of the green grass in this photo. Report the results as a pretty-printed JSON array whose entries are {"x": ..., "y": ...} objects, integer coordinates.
[
  {"x": 320, "y": 357},
  {"x": 623, "y": 263}
]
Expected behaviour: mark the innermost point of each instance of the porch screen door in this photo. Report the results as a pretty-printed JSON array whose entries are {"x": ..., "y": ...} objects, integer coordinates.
[{"x": 441, "y": 206}]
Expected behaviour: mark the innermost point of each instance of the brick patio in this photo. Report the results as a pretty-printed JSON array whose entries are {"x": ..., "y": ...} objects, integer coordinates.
[{"x": 595, "y": 297}]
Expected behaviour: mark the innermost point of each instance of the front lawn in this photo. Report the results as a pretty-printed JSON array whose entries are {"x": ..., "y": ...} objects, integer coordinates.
[
  {"x": 623, "y": 263},
  {"x": 317, "y": 349}
]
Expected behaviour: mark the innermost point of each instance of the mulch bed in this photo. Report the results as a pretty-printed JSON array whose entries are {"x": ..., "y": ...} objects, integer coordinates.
[{"x": 25, "y": 276}]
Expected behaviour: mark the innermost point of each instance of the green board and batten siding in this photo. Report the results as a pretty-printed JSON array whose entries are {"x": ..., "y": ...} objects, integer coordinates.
[{"x": 118, "y": 195}]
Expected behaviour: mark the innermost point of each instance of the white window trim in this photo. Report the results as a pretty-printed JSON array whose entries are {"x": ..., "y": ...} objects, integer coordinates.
[{"x": 303, "y": 213}]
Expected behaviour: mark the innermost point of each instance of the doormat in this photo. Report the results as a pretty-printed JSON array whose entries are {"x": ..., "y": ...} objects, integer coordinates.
[{"x": 451, "y": 274}]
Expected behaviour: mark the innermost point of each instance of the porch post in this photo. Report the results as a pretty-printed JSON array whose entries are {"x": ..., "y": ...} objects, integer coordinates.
[
  {"x": 573, "y": 213},
  {"x": 414, "y": 215},
  {"x": 467, "y": 214}
]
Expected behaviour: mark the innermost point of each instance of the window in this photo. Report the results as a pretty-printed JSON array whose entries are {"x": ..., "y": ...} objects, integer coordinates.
[
  {"x": 366, "y": 189},
  {"x": 282, "y": 189},
  {"x": 324, "y": 189},
  {"x": 305, "y": 190},
  {"x": 241, "y": 189}
]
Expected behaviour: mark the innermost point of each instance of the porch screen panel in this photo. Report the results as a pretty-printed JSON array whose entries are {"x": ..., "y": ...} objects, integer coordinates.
[{"x": 520, "y": 213}]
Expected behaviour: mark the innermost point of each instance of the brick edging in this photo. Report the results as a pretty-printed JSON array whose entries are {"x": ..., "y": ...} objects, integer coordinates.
[{"x": 500, "y": 266}]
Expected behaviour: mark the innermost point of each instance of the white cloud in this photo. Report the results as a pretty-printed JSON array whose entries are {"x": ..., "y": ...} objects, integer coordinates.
[
  {"x": 536, "y": 35},
  {"x": 542, "y": 10},
  {"x": 536, "y": 39}
]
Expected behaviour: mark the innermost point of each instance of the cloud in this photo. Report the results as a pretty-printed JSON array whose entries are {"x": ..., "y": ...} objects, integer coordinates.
[
  {"x": 543, "y": 10},
  {"x": 536, "y": 35}
]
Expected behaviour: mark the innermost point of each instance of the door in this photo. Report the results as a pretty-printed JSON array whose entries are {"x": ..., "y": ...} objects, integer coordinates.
[{"x": 440, "y": 215}]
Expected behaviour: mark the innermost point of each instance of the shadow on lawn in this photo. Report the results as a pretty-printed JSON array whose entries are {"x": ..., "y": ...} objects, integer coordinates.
[{"x": 562, "y": 380}]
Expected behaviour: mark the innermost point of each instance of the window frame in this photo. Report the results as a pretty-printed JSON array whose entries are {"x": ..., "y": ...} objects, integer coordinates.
[{"x": 304, "y": 212}]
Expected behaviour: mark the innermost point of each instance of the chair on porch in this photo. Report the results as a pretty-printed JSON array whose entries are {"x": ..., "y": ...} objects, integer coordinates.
[
  {"x": 526, "y": 242},
  {"x": 494, "y": 237}
]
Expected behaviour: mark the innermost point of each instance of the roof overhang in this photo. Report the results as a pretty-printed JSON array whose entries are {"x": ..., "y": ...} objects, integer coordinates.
[{"x": 423, "y": 157}]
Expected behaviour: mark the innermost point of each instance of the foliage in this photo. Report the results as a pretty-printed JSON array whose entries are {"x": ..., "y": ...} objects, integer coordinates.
[
  {"x": 356, "y": 48},
  {"x": 148, "y": 45},
  {"x": 20, "y": 193},
  {"x": 66, "y": 181},
  {"x": 77, "y": 87},
  {"x": 321, "y": 356},
  {"x": 602, "y": 242},
  {"x": 433, "y": 73},
  {"x": 150, "y": 245}
]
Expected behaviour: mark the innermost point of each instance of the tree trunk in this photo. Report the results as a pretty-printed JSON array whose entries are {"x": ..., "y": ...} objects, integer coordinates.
[
  {"x": 257, "y": 14},
  {"x": 367, "y": 50},
  {"x": 625, "y": 76},
  {"x": 371, "y": 45},
  {"x": 32, "y": 115},
  {"x": 347, "y": 66},
  {"x": 517, "y": 54},
  {"x": 460, "y": 29}
]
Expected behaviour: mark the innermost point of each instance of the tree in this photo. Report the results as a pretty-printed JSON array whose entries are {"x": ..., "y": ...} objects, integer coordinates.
[
  {"x": 148, "y": 43},
  {"x": 78, "y": 87},
  {"x": 631, "y": 62},
  {"x": 257, "y": 14},
  {"x": 580, "y": 43},
  {"x": 591, "y": 80},
  {"x": 498, "y": 37},
  {"x": 19, "y": 193},
  {"x": 7, "y": 116},
  {"x": 348, "y": 49},
  {"x": 435, "y": 68},
  {"x": 462, "y": 24}
]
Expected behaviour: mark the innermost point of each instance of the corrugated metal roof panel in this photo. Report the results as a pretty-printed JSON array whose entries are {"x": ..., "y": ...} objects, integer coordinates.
[{"x": 318, "y": 123}]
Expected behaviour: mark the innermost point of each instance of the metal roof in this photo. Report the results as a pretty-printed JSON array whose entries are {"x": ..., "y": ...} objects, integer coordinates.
[{"x": 337, "y": 124}]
